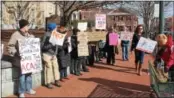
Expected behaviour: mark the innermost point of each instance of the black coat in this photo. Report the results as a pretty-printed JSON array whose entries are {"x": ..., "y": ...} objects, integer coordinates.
[
  {"x": 135, "y": 40},
  {"x": 74, "y": 42},
  {"x": 63, "y": 56}
]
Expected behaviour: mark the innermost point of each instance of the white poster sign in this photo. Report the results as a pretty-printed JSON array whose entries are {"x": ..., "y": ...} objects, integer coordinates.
[
  {"x": 30, "y": 53},
  {"x": 126, "y": 36},
  {"x": 100, "y": 21},
  {"x": 146, "y": 45},
  {"x": 57, "y": 38},
  {"x": 156, "y": 10},
  {"x": 82, "y": 26},
  {"x": 83, "y": 46}
]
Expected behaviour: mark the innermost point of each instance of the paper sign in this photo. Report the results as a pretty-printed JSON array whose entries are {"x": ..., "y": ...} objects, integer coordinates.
[
  {"x": 113, "y": 39},
  {"x": 156, "y": 10},
  {"x": 100, "y": 21},
  {"x": 83, "y": 46},
  {"x": 2, "y": 49},
  {"x": 146, "y": 45},
  {"x": 82, "y": 26},
  {"x": 70, "y": 46},
  {"x": 29, "y": 50},
  {"x": 126, "y": 36},
  {"x": 57, "y": 38}
]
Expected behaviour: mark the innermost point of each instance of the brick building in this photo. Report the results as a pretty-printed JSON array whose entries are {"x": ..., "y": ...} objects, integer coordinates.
[{"x": 115, "y": 18}]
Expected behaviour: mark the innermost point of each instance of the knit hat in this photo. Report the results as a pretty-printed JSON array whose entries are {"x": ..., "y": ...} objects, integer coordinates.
[
  {"x": 51, "y": 26},
  {"x": 23, "y": 23}
]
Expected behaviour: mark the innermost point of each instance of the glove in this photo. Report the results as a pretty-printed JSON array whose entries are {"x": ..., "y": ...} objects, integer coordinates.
[{"x": 166, "y": 69}]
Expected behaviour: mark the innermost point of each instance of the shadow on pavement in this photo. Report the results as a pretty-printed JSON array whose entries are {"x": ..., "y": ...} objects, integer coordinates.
[
  {"x": 118, "y": 70},
  {"x": 111, "y": 88}
]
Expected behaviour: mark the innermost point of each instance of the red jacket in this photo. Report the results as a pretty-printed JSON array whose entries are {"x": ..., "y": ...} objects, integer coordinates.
[{"x": 168, "y": 54}]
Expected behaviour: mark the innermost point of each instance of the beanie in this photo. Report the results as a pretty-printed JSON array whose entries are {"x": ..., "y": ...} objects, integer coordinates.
[
  {"x": 23, "y": 23},
  {"x": 51, "y": 26}
]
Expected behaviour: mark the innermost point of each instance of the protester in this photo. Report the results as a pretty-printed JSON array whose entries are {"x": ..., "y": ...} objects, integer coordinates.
[
  {"x": 139, "y": 55},
  {"x": 110, "y": 49},
  {"x": 49, "y": 57},
  {"x": 91, "y": 57},
  {"x": 63, "y": 55},
  {"x": 25, "y": 80},
  {"x": 166, "y": 53},
  {"x": 125, "y": 47},
  {"x": 101, "y": 45},
  {"x": 74, "y": 68}
]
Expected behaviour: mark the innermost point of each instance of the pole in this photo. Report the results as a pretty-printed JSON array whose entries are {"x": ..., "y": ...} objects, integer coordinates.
[{"x": 161, "y": 17}]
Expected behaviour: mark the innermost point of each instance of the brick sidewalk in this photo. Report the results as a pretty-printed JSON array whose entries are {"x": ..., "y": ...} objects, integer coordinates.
[{"x": 103, "y": 80}]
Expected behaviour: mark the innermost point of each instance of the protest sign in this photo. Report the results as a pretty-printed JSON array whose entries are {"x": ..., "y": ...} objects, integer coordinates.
[
  {"x": 100, "y": 21},
  {"x": 29, "y": 50},
  {"x": 126, "y": 36},
  {"x": 113, "y": 39},
  {"x": 57, "y": 38},
  {"x": 96, "y": 36},
  {"x": 2, "y": 49},
  {"x": 146, "y": 45},
  {"x": 83, "y": 46},
  {"x": 82, "y": 26}
]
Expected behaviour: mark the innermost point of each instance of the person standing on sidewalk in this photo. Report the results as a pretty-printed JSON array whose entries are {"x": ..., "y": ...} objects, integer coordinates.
[
  {"x": 125, "y": 47},
  {"x": 25, "y": 80},
  {"x": 74, "y": 68},
  {"x": 63, "y": 55},
  {"x": 49, "y": 57},
  {"x": 110, "y": 49},
  {"x": 139, "y": 55}
]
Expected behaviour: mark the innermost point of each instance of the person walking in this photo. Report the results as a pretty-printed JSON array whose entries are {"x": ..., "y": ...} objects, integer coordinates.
[
  {"x": 50, "y": 60},
  {"x": 139, "y": 55},
  {"x": 125, "y": 47},
  {"x": 25, "y": 80}
]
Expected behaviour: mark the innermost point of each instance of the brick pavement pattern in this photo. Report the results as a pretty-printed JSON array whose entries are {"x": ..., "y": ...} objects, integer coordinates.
[{"x": 104, "y": 80}]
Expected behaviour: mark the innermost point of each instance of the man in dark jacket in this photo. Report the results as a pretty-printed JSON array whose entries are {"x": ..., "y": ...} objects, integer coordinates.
[
  {"x": 63, "y": 55},
  {"x": 49, "y": 57}
]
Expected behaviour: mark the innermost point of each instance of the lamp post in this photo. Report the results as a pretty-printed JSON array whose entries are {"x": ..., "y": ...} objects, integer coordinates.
[{"x": 161, "y": 17}]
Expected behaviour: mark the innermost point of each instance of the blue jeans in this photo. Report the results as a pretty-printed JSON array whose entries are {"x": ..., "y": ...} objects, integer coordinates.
[
  {"x": 63, "y": 73},
  {"x": 125, "y": 52},
  {"x": 25, "y": 83}
]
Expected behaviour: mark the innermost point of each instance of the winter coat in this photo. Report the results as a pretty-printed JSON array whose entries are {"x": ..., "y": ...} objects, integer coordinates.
[
  {"x": 13, "y": 47},
  {"x": 168, "y": 53},
  {"x": 135, "y": 40},
  {"x": 63, "y": 55},
  {"x": 48, "y": 47},
  {"x": 74, "y": 42}
]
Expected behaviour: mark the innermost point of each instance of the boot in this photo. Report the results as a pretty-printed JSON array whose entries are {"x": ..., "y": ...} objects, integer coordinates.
[{"x": 57, "y": 83}]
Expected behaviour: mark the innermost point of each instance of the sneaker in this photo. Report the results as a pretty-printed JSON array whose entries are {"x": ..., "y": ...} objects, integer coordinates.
[
  {"x": 49, "y": 86},
  {"x": 21, "y": 95},
  {"x": 32, "y": 92}
]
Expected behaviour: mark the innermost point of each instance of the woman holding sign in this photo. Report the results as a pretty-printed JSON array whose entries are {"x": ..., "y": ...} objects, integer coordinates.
[
  {"x": 25, "y": 80},
  {"x": 139, "y": 55}
]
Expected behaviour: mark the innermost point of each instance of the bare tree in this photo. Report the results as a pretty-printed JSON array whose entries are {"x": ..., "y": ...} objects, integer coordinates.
[
  {"x": 17, "y": 9},
  {"x": 68, "y": 7}
]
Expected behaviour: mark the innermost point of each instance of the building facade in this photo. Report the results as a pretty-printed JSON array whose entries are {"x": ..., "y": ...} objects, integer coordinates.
[
  {"x": 169, "y": 24},
  {"x": 115, "y": 18}
]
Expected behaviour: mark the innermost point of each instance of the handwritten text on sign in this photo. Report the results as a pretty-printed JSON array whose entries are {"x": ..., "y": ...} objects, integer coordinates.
[
  {"x": 29, "y": 50},
  {"x": 57, "y": 38},
  {"x": 100, "y": 21},
  {"x": 126, "y": 36},
  {"x": 83, "y": 46},
  {"x": 146, "y": 45}
]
